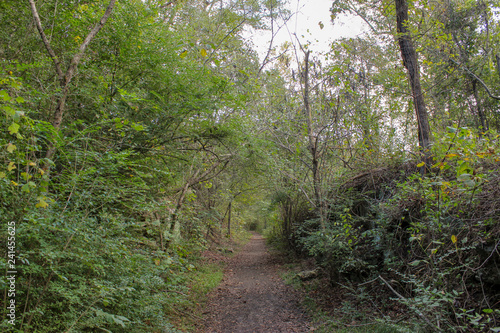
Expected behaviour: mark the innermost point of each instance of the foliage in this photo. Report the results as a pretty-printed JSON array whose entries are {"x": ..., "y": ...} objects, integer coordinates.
[
  {"x": 105, "y": 240},
  {"x": 174, "y": 136}
]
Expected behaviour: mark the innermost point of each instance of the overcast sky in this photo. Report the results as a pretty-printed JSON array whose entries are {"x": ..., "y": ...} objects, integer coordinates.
[{"x": 306, "y": 25}]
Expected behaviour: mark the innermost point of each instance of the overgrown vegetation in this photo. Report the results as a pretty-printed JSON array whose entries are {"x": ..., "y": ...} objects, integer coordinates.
[
  {"x": 120, "y": 122},
  {"x": 136, "y": 134}
]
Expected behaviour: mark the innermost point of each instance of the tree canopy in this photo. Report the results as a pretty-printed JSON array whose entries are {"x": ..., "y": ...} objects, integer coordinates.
[{"x": 137, "y": 133}]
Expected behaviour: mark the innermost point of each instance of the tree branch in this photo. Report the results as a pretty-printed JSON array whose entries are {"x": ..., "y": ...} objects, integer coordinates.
[
  {"x": 65, "y": 79},
  {"x": 56, "y": 122},
  {"x": 476, "y": 78},
  {"x": 46, "y": 42}
]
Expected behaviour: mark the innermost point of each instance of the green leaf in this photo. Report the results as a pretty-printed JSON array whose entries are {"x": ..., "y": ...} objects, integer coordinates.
[
  {"x": 4, "y": 95},
  {"x": 17, "y": 115},
  {"x": 137, "y": 127},
  {"x": 19, "y": 99},
  {"x": 487, "y": 310},
  {"x": 13, "y": 128},
  {"x": 464, "y": 177},
  {"x": 8, "y": 110}
]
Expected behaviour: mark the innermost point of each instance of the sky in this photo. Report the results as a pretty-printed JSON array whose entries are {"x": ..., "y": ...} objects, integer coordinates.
[{"x": 306, "y": 25}]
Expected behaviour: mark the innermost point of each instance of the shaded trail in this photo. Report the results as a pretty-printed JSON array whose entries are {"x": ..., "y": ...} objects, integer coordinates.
[{"x": 253, "y": 298}]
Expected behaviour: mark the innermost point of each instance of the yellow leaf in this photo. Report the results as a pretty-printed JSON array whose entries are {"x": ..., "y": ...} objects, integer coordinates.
[
  {"x": 2, "y": 175},
  {"x": 11, "y": 147},
  {"x": 203, "y": 52},
  {"x": 41, "y": 203},
  {"x": 184, "y": 54},
  {"x": 421, "y": 164},
  {"x": 453, "y": 239},
  {"x": 11, "y": 166},
  {"x": 31, "y": 163},
  {"x": 451, "y": 155},
  {"x": 14, "y": 183},
  {"x": 157, "y": 262}
]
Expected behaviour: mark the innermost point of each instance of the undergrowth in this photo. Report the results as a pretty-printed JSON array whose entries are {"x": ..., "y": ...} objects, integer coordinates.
[
  {"x": 336, "y": 310},
  {"x": 427, "y": 241},
  {"x": 186, "y": 314}
]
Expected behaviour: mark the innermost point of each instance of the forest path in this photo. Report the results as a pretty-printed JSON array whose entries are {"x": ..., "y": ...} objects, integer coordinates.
[{"x": 252, "y": 297}]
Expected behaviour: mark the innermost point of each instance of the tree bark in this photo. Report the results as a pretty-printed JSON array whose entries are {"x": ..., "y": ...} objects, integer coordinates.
[
  {"x": 313, "y": 146},
  {"x": 410, "y": 61},
  {"x": 498, "y": 64},
  {"x": 483, "y": 126}
]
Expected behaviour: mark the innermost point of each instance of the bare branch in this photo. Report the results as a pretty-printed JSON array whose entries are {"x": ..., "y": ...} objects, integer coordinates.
[{"x": 476, "y": 78}]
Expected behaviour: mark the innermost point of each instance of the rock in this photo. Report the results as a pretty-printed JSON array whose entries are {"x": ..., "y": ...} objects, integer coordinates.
[{"x": 308, "y": 275}]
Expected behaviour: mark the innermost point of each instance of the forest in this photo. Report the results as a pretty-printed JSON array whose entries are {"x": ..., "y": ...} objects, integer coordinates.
[{"x": 137, "y": 133}]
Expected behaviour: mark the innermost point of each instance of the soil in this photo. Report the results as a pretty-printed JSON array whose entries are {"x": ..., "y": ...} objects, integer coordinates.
[{"x": 253, "y": 298}]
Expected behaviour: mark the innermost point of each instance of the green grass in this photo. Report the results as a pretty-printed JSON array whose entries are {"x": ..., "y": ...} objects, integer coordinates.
[
  {"x": 206, "y": 279},
  {"x": 202, "y": 281}
]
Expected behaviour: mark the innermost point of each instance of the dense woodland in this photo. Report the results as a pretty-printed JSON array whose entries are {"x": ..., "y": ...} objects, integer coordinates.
[{"x": 136, "y": 133}]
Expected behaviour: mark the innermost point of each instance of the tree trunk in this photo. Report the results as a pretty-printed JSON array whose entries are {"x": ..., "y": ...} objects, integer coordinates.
[
  {"x": 409, "y": 56},
  {"x": 498, "y": 64},
  {"x": 313, "y": 147},
  {"x": 483, "y": 126}
]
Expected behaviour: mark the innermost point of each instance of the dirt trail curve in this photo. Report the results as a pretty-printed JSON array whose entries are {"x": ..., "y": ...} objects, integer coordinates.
[{"x": 253, "y": 298}]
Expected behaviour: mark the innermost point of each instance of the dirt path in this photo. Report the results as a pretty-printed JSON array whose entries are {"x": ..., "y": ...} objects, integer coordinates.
[{"x": 253, "y": 298}]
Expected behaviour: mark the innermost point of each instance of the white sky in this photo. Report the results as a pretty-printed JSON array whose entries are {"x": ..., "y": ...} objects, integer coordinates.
[{"x": 305, "y": 24}]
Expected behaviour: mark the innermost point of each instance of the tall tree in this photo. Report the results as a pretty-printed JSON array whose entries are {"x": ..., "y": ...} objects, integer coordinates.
[{"x": 410, "y": 61}]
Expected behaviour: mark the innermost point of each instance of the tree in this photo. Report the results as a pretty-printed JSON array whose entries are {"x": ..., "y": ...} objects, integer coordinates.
[
  {"x": 65, "y": 78},
  {"x": 410, "y": 61}
]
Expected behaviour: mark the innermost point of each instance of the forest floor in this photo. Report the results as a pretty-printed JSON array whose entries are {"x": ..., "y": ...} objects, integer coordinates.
[{"x": 252, "y": 297}]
